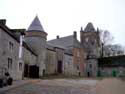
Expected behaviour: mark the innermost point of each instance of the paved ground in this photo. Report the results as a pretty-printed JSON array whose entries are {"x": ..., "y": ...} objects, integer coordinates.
[
  {"x": 55, "y": 86},
  {"x": 67, "y": 86},
  {"x": 111, "y": 86}
]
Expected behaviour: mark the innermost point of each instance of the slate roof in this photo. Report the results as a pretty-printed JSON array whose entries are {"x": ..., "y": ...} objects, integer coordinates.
[
  {"x": 89, "y": 27},
  {"x": 36, "y": 25},
  {"x": 68, "y": 52},
  {"x": 68, "y": 41},
  {"x": 52, "y": 48}
]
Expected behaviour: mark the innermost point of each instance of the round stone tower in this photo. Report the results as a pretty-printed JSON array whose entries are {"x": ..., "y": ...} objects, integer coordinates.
[{"x": 36, "y": 39}]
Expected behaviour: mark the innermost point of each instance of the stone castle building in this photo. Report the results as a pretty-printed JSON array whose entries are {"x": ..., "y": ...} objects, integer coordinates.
[
  {"x": 90, "y": 42},
  {"x": 27, "y": 53}
]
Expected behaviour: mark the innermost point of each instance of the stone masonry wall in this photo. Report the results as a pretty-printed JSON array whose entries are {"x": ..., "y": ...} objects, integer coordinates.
[
  {"x": 68, "y": 65},
  {"x": 9, "y": 49},
  {"x": 51, "y": 62},
  {"x": 78, "y": 61}
]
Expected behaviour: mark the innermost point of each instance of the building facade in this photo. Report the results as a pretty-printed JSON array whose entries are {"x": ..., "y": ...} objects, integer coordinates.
[
  {"x": 90, "y": 42},
  {"x": 27, "y": 53},
  {"x": 9, "y": 52}
]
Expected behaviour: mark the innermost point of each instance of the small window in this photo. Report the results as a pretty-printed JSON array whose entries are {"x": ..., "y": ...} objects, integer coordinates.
[
  {"x": 77, "y": 67},
  {"x": 78, "y": 54},
  {"x": 10, "y": 46},
  {"x": 86, "y": 39},
  {"x": 9, "y": 63},
  {"x": 78, "y": 59},
  {"x": 20, "y": 66},
  {"x": 92, "y": 42},
  {"x": 90, "y": 65}
]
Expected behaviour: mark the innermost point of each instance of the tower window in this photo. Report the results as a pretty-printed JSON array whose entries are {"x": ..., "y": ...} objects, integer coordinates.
[
  {"x": 78, "y": 54},
  {"x": 86, "y": 39},
  {"x": 90, "y": 65},
  {"x": 77, "y": 67}
]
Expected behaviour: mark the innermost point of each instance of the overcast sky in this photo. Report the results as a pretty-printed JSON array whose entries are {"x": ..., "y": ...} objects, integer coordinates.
[{"x": 62, "y": 17}]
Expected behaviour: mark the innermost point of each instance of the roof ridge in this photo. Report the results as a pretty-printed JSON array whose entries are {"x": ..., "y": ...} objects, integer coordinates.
[{"x": 61, "y": 38}]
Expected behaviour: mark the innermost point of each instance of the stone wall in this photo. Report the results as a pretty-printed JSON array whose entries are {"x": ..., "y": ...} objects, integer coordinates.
[
  {"x": 9, "y": 51},
  {"x": 68, "y": 65},
  {"x": 28, "y": 57},
  {"x": 51, "y": 62},
  {"x": 78, "y": 61},
  {"x": 112, "y": 71}
]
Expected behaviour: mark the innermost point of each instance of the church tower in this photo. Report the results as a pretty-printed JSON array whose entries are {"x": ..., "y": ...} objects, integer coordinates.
[
  {"x": 90, "y": 42},
  {"x": 36, "y": 39}
]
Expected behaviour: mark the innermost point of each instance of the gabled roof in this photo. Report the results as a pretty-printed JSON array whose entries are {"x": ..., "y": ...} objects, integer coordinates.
[
  {"x": 35, "y": 25},
  {"x": 89, "y": 27},
  {"x": 68, "y": 41}
]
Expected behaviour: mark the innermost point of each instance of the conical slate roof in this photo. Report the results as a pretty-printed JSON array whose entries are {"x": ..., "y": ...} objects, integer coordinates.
[
  {"x": 89, "y": 27},
  {"x": 35, "y": 25}
]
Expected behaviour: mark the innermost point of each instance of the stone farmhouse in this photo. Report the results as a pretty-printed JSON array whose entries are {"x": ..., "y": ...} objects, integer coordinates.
[{"x": 27, "y": 53}]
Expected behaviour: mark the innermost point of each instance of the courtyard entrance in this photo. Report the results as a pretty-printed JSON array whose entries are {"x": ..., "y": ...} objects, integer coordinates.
[{"x": 31, "y": 71}]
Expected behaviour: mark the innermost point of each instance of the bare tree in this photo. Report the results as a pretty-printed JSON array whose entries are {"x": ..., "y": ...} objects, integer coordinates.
[
  {"x": 107, "y": 48},
  {"x": 114, "y": 50},
  {"x": 105, "y": 39}
]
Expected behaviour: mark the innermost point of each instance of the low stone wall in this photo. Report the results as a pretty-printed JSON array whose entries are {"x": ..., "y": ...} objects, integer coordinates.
[{"x": 111, "y": 71}]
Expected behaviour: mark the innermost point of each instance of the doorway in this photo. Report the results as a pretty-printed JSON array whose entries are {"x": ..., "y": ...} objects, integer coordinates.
[
  {"x": 33, "y": 71},
  {"x": 26, "y": 70},
  {"x": 59, "y": 67}
]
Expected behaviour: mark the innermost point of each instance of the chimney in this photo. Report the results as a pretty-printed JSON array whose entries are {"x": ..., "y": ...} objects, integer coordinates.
[
  {"x": 75, "y": 35},
  {"x": 3, "y": 21},
  {"x": 57, "y": 37}
]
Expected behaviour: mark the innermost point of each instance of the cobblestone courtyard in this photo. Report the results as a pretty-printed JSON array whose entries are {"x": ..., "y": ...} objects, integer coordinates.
[
  {"x": 70, "y": 86},
  {"x": 56, "y": 86}
]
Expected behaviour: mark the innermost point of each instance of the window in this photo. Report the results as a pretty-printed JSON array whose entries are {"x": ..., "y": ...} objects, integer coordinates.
[
  {"x": 90, "y": 65},
  {"x": 20, "y": 66},
  {"x": 9, "y": 63},
  {"x": 10, "y": 46},
  {"x": 77, "y": 67},
  {"x": 78, "y": 54},
  {"x": 92, "y": 42},
  {"x": 78, "y": 59},
  {"x": 86, "y": 39}
]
